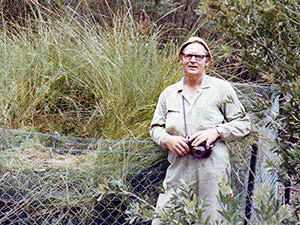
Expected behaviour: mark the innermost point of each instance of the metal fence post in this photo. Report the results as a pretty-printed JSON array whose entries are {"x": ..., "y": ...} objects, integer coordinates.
[
  {"x": 253, "y": 160},
  {"x": 287, "y": 189}
]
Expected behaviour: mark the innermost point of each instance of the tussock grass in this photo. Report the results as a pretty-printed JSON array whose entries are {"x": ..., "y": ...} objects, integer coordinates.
[{"x": 70, "y": 76}]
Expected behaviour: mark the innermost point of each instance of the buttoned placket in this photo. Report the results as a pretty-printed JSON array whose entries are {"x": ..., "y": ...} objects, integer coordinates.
[{"x": 189, "y": 105}]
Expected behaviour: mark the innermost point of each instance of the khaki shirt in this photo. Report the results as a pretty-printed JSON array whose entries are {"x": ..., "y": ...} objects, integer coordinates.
[{"x": 215, "y": 106}]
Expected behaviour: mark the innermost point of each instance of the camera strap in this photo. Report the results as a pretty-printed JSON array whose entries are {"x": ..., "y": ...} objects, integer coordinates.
[{"x": 184, "y": 116}]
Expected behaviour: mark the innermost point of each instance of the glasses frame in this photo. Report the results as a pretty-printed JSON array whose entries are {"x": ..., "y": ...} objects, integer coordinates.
[{"x": 199, "y": 58}]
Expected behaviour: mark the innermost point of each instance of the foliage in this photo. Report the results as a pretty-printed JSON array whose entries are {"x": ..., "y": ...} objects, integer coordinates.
[
  {"x": 268, "y": 207},
  {"x": 170, "y": 15},
  {"x": 63, "y": 73},
  {"x": 71, "y": 72},
  {"x": 267, "y": 34},
  {"x": 186, "y": 208},
  {"x": 267, "y": 203}
]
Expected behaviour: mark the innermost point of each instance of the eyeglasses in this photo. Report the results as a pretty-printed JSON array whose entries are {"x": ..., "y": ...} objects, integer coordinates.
[{"x": 198, "y": 58}]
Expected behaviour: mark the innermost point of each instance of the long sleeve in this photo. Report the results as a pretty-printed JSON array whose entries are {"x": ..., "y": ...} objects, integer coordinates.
[
  {"x": 237, "y": 122},
  {"x": 158, "y": 125}
]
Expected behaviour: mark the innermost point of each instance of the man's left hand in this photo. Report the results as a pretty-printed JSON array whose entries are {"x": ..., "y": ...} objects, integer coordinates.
[{"x": 209, "y": 136}]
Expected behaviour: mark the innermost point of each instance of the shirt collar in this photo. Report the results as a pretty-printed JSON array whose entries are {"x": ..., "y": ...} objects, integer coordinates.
[{"x": 204, "y": 84}]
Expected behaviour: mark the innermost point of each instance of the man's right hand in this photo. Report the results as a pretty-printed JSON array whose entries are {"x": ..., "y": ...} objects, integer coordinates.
[{"x": 177, "y": 145}]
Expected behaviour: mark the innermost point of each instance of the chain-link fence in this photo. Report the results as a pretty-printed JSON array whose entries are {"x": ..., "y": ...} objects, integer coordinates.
[
  {"x": 53, "y": 179},
  {"x": 48, "y": 179}
]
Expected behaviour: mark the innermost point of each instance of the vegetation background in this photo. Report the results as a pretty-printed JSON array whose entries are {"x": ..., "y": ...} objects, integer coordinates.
[
  {"x": 95, "y": 68},
  {"x": 71, "y": 64}
]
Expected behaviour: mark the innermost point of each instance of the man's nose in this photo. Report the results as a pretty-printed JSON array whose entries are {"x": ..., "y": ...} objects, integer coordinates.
[{"x": 193, "y": 58}]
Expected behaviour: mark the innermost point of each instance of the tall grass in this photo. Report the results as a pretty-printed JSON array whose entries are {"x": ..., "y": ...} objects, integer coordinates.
[
  {"x": 125, "y": 72},
  {"x": 70, "y": 76}
]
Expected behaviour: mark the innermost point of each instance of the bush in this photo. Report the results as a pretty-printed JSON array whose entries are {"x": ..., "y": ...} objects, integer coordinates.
[
  {"x": 267, "y": 38},
  {"x": 186, "y": 208}
]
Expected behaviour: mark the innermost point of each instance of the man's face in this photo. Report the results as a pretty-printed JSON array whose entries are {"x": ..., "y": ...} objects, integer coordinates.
[{"x": 194, "y": 59}]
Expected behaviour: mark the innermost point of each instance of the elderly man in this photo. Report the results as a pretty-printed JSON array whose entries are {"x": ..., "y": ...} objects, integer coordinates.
[{"x": 197, "y": 110}]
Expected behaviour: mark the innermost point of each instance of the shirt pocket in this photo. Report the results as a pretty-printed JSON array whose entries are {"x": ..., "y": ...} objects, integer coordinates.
[
  {"x": 173, "y": 119},
  {"x": 172, "y": 114},
  {"x": 168, "y": 111}
]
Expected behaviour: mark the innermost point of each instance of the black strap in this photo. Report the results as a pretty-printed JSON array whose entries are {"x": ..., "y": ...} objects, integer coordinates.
[{"x": 184, "y": 116}]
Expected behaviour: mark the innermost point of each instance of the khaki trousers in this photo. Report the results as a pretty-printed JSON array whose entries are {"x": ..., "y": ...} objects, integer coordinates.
[{"x": 206, "y": 172}]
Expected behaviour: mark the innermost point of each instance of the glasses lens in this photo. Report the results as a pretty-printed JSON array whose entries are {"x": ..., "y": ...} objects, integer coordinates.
[{"x": 197, "y": 57}]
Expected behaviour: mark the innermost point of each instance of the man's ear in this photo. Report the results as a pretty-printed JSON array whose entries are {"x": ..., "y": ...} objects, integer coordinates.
[
  {"x": 207, "y": 61},
  {"x": 181, "y": 58}
]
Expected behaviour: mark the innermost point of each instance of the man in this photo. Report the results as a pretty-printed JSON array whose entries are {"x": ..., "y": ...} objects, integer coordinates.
[{"x": 199, "y": 109}]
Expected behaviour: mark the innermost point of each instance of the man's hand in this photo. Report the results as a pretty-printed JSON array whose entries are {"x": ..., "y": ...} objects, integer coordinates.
[
  {"x": 177, "y": 145},
  {"x": 209, "y": 136}
]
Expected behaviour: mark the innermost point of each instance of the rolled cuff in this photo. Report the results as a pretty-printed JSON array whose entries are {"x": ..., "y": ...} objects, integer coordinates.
[
  {"x": 230, "y": 133},
  {"x": 158, "y": 135}
]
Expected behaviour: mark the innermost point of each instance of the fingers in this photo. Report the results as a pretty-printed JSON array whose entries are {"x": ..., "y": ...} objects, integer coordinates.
[
  {"x": 198, "y": 138},
  {"x": 180, "y": 147},
  {"x": 206, "y": 136},
  {"x": 179, "y": 151},
  {"x": 177, "y": 145}
]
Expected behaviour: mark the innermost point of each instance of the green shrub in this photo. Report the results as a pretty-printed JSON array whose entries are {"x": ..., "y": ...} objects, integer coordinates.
[
  {"x": 186, "y": 208},
  {"x": 266, "y": 36}
]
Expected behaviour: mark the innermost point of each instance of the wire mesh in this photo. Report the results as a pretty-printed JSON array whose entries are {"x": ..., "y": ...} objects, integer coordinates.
[{"x": 54, "y": 179}]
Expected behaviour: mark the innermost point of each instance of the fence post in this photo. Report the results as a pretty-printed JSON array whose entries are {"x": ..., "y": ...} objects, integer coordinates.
[
  {"x": 287, "y": 184},
  {"x": 287, "y": 189},
  {"x": 251, "y": 178}
]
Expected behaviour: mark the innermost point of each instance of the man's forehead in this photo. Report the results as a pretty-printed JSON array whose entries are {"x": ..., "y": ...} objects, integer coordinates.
[{"x": 198, "y": 47}]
